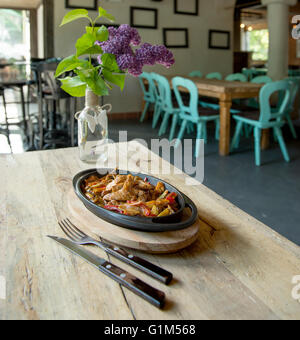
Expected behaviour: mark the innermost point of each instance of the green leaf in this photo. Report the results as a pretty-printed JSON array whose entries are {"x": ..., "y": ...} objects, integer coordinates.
[
  {"x": 109, "y": 62},
  {"x": 99, "y": 87},
  {"x": 92, "y": 78},
  {"x": 86, "y": 45},
  {"x": 117, "y": 79},
  {"x": 90, "y": 30},
  {"x": 69, "y": 64},
  {"x": 75, "y": 15},
  {"x": 102, "y": 34},
  {"x": 103, "y": 13},
  {"x": 74, "y": 86}
]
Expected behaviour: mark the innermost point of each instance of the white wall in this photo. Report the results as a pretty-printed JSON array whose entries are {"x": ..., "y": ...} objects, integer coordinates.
[{"x": 214, "y": 14}]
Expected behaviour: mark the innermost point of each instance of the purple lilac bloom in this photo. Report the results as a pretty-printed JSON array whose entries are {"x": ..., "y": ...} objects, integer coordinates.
[
  {"x": 120, "y": 44},
  {"x": 145, "y": 54}
]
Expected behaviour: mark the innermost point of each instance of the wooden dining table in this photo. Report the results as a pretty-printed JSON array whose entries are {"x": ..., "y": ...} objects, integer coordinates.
[
  {"x": 238, "y": 268},
  {"x": 226, "y": 92}
]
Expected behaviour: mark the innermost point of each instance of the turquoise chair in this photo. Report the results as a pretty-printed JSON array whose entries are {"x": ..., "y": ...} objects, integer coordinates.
[
  {"x": 261, "y": 80},
  {"x": 237, "y": 77},
  {"x": 189, "y": 113},
  {"x": 198, "y": 74},
  {"x": 247, "y": 73},
  {"x": 253, "y": 103},
  {"x": 149, "y": 93},
  {"x": 166, "y": 108},
  {"x": 267, "y": 119},
  {"x": 214, "y": 75},
  {"x": 295, "y": 81},
  {"x": 160, "y": 95}
]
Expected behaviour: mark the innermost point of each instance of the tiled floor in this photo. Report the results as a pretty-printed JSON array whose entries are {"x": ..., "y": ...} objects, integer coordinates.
[{"x": 269, "y": 193}]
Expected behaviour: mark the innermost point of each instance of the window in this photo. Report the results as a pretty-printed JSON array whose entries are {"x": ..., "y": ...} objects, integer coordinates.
[
  {"x": 15, "y": 35},
  {"x": 257, "y": 41}
]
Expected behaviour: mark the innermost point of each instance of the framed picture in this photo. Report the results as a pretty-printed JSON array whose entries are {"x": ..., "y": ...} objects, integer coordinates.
[
  {"x": 190, "y": 7},
  {"x": 91, "y": 5},
  {"x": 219, "y": 40},
  {"x": 107, "y": 25},
  {"x": 176, "y": 37},
  {"x": 141, "y": 17}
]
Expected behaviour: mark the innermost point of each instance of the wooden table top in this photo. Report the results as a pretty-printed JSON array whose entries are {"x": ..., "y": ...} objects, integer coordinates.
[
  {"x": 223, "y": 86},
  {"x": 223, "y": 89},
  {"x": 238, "y": 269}
]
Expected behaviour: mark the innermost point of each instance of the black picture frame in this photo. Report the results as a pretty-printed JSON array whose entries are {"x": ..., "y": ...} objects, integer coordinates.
[
  {"x": 107, "y": 25},
  {"x": 177, "y": 11},
  {"x": 133, "y": 10},
  {"x": 165, "y": 37},
  {"x": 94, "y": 8},
  {"x": 210, "y": 40}
]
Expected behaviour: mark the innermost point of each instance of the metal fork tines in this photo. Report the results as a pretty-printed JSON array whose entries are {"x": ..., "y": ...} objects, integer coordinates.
[{"x": 80, "y": 238}]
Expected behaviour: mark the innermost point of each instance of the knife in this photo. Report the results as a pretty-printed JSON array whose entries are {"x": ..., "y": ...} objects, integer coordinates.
[
  {"x": 140, "y": 288},
  {"x": 146, "y": 267},
  {"x": 139, "y": 263}
]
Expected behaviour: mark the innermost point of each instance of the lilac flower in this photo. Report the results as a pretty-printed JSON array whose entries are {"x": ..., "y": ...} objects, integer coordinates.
[
  {"x": 146, "y": 54},
  {"x": 121, "y": 42},
  {"x": 125, "y": 61},
  {"x": 163, "y": 56}
]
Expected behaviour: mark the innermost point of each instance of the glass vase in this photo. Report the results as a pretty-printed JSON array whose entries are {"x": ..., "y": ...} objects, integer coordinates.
[{"x": 92, "y": 129}]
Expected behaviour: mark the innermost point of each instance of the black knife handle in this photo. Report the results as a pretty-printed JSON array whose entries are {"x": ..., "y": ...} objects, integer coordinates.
[
  {"x": 140, "y": 288},
  {"x": 141, "y": 264}
]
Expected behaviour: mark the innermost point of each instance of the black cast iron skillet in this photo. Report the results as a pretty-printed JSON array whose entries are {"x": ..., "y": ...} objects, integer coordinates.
[{"x": 157, "y": 224}]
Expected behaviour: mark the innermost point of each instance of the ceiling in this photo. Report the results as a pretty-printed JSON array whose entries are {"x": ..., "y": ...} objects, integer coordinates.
[{"x": 20, "y": 4}]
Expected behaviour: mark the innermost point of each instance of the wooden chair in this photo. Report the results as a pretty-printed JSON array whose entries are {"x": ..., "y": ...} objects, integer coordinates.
[
  {"x": 295, "y": 90},
  {"x": 167, "y": 108},
  {"x": 50, "y": 92},
  {"x": 161, "y": 97},
  {"x": 198, "y": 74},
  {"x": 6, "y": 131},
  {"x": 191, "y": 113},
  {"x": 237, "y": 77},
  {"x": 266, "y": 118},
  {"x": 149, "y": 92},
  {"x": 214, "y": 75}
]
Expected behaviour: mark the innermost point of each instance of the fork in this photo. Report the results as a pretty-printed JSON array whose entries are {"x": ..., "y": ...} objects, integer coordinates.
[{"x": 80, "y": 238}]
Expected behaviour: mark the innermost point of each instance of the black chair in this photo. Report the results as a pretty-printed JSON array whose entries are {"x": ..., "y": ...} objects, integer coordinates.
[
  {"x": 6, "y": 130},
  {"x": 53, "y": 131}
]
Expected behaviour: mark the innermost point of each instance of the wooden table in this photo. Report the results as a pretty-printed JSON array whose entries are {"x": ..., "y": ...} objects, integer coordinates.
[
  {"x": 238, "y": 268},
  {"x": 225, "y": 91}
]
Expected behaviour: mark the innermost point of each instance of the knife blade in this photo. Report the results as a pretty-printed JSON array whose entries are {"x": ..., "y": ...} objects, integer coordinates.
[{"x": 140, "y": 288}]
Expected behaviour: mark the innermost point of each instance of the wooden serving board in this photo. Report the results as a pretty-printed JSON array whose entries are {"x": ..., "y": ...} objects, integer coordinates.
[{"x": 153, "y": 243}]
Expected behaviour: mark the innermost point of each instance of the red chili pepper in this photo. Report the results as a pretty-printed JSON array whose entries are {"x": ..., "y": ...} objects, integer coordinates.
[
  {"x": 113, "y": 208},
  {"x": 146, "y": 210},
  {"x": 146, "y": 179},
  {"x": 171, "y": 197}
]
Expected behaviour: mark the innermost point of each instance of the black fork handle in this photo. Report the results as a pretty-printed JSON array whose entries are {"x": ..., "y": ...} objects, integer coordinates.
[{"x": 144, "y": 266}]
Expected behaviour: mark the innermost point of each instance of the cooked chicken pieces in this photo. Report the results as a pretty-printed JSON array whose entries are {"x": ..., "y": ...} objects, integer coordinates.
[{"x": 130, "y": 195}]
